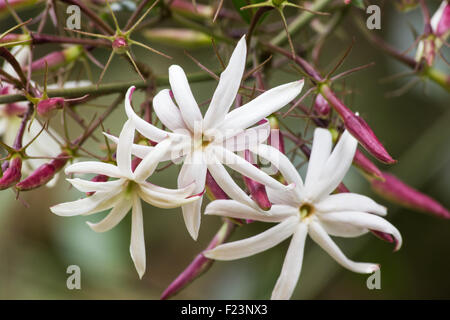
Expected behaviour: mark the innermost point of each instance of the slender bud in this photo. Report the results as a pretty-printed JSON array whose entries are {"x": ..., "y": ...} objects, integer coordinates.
[
  {"x": 358, "y": 127},
  {"x": 186, "y": 8},
  {"x": 257, "y": 190},
  {"x": 47, "y": 107},
  {"x": 12, "y": 174},
  {"x": 57, "y": 59},
  {"x": 43, "y": 174},
  {"x": 200, "y": 264},
  {"x": 367, "y": 166},
  {"x": 16, "y": 4},
  {"x": 183, "y": 38},
  {"x": 321, "y": 106},
  {"x": 399, "y": 192},
  {"x": 440, "y": 22},
  {"x": 213, "y": 190}
]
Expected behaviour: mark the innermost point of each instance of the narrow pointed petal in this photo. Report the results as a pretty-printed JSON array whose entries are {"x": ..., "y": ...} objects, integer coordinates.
[
  {"x": 320, "y": 236},
  {"x": 148, "y": 165},
  {"x": 336, "y": 167},
  {"x": 95, "y": 167},
  {"x": 284, "y": 165},
  {"x": 116, "y": 215},
  {"x": 184, "y": 97},
  {"x": 164, "y": 200},
  {"x": 249, "y": 138},
  {"x": 94, "y": 186},
  {"x": 98, "y": 202},
  {"x": 343, "y": 230},
  {"x": 256, "y": 244},
  {"x": 247, "y": 169},
  {"x": 181, "y": 192},
  {"x": 193, "y": 171},
  {"x": 261, "y": 107},
  {"x": 146, "y": 129},
  {"x": 137, "y": 244},
  {"x": 167, "y": 111},
  {"x": 235, "y": 209},
  {"x": 123, "y": 154},
  {"x": 228, "y": 86},
  {"x": 364, "y": 220},
  {"x": 320, "y": 152},
  {"x": 350, "y": 202},
  {"x": 224, "y": 180},
  {"x": 292, "y": 266}
]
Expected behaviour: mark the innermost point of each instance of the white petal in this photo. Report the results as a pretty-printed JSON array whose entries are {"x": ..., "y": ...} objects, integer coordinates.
[
  {"x": 320, "y": 152},
  {"x": 148, "y": 165},
  {"x": 256, "y": 244},
  {"x": 193, "y": 170},
  {"x": 100, "y": 201},
  {"x": 93, "y": 186},
  {"x": 249, "y": 138},
  {"x": 350, "y": 202},
  {"x": 123, "y": 154},
  {"x": 437, "y": 16},
  {"x": 181, "y": 192},
  {"x": 247, "y": 169},
  {"x": 164, "y": 200},
  {"x": 228, "y": 86},
  {"x": 292, "y": 266},
  {"x": 364, "y": 220},
  {"x": 284, "y": 165},
  {"x": 116, "y": 215},
  {"x": 224, "y": 180},
  {"x": 288, "y": 198},
  {"x": 167, "y": 111},
  {"x": 137, "y": 244},
  {"x": 21, "y": 53},
  {"x": 184, "y": 97},
  {"x": 343, "y": 230},
  {"x": 95, "y": 167},
  {"x": 319, "y": 235},
  {"x": 235, "y": 209},
  {"x": 262, "y": 106},
  {"x": 146, "y": 129},
  {"x": 336, "y": 167}
]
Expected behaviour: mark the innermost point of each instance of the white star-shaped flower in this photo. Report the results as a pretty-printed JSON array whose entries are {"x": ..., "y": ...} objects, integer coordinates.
[
  {"x": 124, "y": 193},
  {"x": 206, "y": 143},
  {"x": 307, "y": 209}
]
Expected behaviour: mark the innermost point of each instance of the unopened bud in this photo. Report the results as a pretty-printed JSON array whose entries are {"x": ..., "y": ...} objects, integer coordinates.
[
  {"x": 257, "y": 190},
  {"x": 399, "y": 192},
  {"x": 213, "y": 190},
  {"x": 47, "y": 107},
  {"x": 178, "y": 37},
  {"x": 363, "y": 163},
  {"x": 12, "y": 174},
  {"x": 98, "y": 178},
  {"x": 440, "y": 22},
  {"x": 186, "y": 8},
  {"x": 57, "y": 59},
  {"x": 43, "y": 173},
  {"x": 321, "y": 106},
  {"x": 120, "y": 45}
]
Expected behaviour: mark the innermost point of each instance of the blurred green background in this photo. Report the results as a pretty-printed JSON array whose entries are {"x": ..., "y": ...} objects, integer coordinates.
[{"x": 36, "y": 247}]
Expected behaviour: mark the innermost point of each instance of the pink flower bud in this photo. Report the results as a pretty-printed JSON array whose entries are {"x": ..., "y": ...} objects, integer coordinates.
[
  {"x": 440, "y": 22},
  {"x": 43, "y": 174},
  {"x": 12, "y": 174},
  {"x": 213, "y": 190},
  {"x": 321, "y": 106},
  {"x": 177, "y": 37},
  {"x": 358, "y": 128},
  {"x": 362, "y": 162},
  {"x": 257, "y": 190},
  {"x": 397, "y": 191},
  {"x": 51, "y": 60},
  {"x": 47, "y": 107},
  {"x": 200, "y": 264},
  {"x": 185, "y": 7},
  {"x": 364, "y": 134},
  {"x": 12, "y": 109},
  {"x": 120, "y": 45}
]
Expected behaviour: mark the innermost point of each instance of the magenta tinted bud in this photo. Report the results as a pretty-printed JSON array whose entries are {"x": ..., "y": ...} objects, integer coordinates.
[
  {"x": 257, "y": 190},
  {"x": 443, "y": 20},
  {"x": 12, "y": 174},
  {"x": 51, "y": 60},
  {"x": 362, "y": 162},
  {"x": 399, "y": 192},
  {"x": 98, "y": 178},
  {"x": 364, "y": 134},
  {"x": 43, "y": 173},
  {"x": 321, "y": 106},
  {"x": 213, "y": 190},
  {"x": 120, "y": 45},
  {"x": 47, "y": 107},
  {"x": 135, "y": 162}
]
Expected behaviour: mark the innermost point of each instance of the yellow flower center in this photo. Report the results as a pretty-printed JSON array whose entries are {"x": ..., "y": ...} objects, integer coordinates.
[{"x": 306, "y": 210}]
